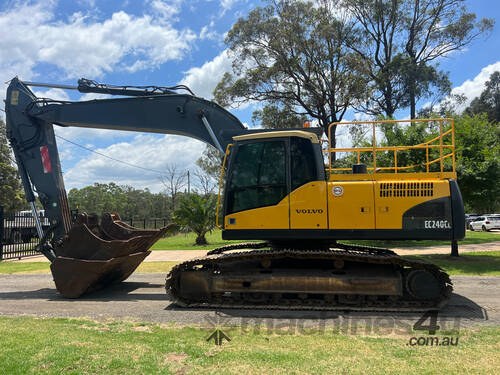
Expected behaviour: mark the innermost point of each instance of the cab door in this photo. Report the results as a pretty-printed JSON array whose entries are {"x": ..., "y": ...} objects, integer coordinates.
[
  {"x": 257, "y": 194},
  {"x": 308, "y": 207}
]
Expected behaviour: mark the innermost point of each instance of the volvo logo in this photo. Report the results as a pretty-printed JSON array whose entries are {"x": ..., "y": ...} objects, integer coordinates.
[
  {"x": 338, "y": 191},
  {"x": 310, "y": 211}
]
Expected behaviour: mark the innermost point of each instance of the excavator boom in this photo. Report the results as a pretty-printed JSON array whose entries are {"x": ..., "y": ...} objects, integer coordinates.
[{"x": 89, "y": 254}]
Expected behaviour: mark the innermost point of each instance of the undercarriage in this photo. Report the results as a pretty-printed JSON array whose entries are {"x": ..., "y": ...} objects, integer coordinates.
[{"x": 344, "y": 277}]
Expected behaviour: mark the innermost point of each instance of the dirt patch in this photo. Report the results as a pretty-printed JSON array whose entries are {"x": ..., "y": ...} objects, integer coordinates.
[
  {"x": 175, "y": 357},
  {"x": 142, "y": 329}
]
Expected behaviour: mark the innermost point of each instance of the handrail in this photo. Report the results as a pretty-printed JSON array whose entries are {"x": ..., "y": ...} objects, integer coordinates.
[
  {"x": 427, "y": 146},
  {"x": 220, "y": 185}
]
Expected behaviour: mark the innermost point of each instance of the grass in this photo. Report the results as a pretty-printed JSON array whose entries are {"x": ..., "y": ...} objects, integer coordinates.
[
  {"x": 470, "y": 238},
  {"x": 24, "y": 267},
  {"x": 468, "y": 264},
  {"x": 60, "y": 346},
  {"x": 44, "y": 267},
  {"x": 186, "y": 241}
]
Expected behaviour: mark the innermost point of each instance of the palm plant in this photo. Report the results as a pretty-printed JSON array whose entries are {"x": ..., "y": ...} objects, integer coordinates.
[{"x": 197, "y": 213}]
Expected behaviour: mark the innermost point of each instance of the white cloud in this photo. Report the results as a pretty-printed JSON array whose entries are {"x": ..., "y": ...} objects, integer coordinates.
[
  {"x": 78, "y": 134},
  {"x": 56, "y": 94},
  {"x": 202, "y": 80},
  {"x": 166, "y": 10},
  {"x": 80, "y": 46},
  {"x": 93, "y": 95},
  {"x": 473, "y": 88},
  {"x": 228, "y": 4},
  {"x": 209, "y": 32},
  {"x": 148, "y": 151}
]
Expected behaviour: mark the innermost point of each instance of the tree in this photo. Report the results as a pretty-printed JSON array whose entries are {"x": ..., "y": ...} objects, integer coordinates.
[
  {"x": 489, "y": 100},
  {"x": 402, "y": 39},
  {"x": 205, "y": 182},
  {"x": 127, "y": 201},
  {"x": 274, "y": 117},
  {"x": 478, "y": 162},
  {"x": 210, "y": 162},
  {"x": 379, "y": 23},
  {"x": 197, "y": 214},
  {"x": 291, "y": 55},
  {"x": 11, "y": 193},
  {"x": 174, "y": 180}
]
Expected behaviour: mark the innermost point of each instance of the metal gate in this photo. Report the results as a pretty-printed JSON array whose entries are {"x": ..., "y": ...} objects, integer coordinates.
[{"x": 18, "y": 235}]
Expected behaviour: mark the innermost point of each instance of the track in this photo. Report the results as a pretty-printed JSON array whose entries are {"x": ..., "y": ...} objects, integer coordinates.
[{"x": 218, "y": 261}]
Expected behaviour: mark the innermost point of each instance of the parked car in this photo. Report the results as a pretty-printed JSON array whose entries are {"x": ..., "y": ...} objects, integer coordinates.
[
  {"x": 485, "y": 223},
  {"x": 469, "y": 218}
]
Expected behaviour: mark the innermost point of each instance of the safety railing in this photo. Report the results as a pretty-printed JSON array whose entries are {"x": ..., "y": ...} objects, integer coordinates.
[{"x": 437, "y": 150}]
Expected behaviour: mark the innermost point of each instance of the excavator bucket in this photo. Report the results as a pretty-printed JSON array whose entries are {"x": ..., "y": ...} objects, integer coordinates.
[{"x": 96, "y": 254}]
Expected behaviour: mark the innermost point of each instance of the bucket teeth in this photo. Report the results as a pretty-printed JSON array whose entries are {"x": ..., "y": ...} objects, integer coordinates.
[{"x": 93, "y": 255}]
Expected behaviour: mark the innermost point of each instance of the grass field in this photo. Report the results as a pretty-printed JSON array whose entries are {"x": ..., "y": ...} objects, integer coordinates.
[
  {"x": 469, "y": 264},
  {"x": 186, "y": 241},
  {"x": 44, "y": 267},
  {"x": 62, "y": 346}
]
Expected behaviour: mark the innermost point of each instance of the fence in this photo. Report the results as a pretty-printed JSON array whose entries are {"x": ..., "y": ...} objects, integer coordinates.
[
  {"x": 18, "y": 235},
  {"x": 19, "y": 238},
  {"x": 147, "y": 223}
]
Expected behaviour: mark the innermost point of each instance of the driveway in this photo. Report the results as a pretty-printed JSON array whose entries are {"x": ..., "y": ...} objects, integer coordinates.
[{"x": 476, "y": 301}]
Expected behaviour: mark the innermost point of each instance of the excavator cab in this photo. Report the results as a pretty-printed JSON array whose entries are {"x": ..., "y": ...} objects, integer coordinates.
[{"x": 276, "y": 182}]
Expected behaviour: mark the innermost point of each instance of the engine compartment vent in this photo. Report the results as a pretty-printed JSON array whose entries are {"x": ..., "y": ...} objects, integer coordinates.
[{"x": 406, "y": 189}]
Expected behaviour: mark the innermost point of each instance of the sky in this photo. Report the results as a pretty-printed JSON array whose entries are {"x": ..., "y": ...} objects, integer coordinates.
[{"x": 155, "y": 42}]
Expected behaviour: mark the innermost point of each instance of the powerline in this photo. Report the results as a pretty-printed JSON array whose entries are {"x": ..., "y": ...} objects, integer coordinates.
[{"x": 109, "y": 157}]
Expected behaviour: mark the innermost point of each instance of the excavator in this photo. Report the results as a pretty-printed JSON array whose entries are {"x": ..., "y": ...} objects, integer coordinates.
[{"x": 277, "y": 193}]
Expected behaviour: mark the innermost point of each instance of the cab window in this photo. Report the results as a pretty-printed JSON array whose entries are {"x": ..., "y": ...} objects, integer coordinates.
[
  {"x": 303, "y": 166},
  {"x": 258, "y": 177}
]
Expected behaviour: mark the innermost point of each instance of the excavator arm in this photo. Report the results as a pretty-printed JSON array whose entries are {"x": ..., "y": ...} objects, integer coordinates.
[
  {"x": 30, "y": 130},
  {"x": 109, "y": 244}
]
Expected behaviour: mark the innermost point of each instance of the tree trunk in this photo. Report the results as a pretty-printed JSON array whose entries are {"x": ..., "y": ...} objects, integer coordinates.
[
  {"x": 412, "y": 97},
  {"x": 200, "y": 239}
]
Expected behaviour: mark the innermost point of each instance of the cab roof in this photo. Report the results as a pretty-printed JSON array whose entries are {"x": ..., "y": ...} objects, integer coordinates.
[{"x": 279, "y": 133}]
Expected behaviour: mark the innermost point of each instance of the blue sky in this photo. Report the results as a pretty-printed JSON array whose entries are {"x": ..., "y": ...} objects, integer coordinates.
[{"x": 160, "y": 42}]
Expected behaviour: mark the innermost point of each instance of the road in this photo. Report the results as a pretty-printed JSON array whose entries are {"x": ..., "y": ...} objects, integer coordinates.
[{"x": 476, "y": 301}]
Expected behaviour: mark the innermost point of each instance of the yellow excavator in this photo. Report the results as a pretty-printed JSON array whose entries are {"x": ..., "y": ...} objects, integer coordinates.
[{"x": 276, "y": 189}]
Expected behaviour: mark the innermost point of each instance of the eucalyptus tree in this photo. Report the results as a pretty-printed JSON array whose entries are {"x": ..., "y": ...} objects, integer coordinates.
[
  {"x": 403, "y": 41},
  {"x": 292, "y": 56}
]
